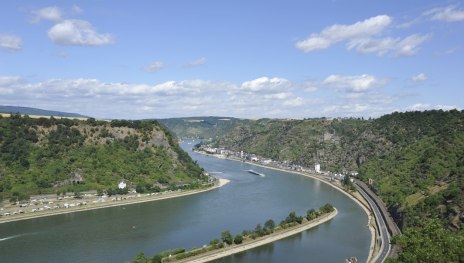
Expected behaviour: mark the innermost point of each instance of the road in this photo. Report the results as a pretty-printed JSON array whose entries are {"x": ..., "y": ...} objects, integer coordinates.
[{"x": 384, "y": 235}]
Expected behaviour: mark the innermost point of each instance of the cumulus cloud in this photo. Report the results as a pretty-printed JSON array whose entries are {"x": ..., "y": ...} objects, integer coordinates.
[
  {"x": 10, "y": 42},
  {"x": 265, "y": 84},
  {"x": 77, "y": 32},
  {"x": 448, "y": 14},
  {"x": 425, "y": 106},
  {"x": 51, "y": 13},
  {"x": 364, "y": 37},
  {"x": 336, "y": 33},
  {"x": 155, "y": 66},
  {"x": 263, "y": 97},
  {"x": 197, "y": 62},
  {"x": 419, "y": 77},
  {"x": 359, "y": 83},
  {"x": 295, "y": 102}
]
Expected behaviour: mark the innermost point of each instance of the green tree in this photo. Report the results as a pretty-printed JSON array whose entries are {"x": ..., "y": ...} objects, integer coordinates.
[
  {"x": 238, "y": 239},
  {"x": 270, "y": 224},
  {"x": 140, "y": 258},
  {"x": 311, "y": 214},
  {"x": 327, "y": 208},
  {"x": 259, "y": 231},
  {"x": 214, "y": 242},
  {"x": 226, "y": 237},
  {"x": 430, "y": 242}
]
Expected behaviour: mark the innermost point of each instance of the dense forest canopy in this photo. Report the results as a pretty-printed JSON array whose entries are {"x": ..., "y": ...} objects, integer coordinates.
[{"x": 47, "y": 155}]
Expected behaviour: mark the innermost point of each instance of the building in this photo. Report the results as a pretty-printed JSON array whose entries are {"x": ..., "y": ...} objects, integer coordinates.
[
  {"x": 122, "y": 185},
  {"x": 317, "y": 168}
]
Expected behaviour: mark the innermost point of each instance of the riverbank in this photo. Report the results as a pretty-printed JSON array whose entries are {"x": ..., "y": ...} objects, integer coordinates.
[
  {"x": 233, "y": 249},
  {"x": 92, "y": 206},
  {"x": 356, "y": 197}
]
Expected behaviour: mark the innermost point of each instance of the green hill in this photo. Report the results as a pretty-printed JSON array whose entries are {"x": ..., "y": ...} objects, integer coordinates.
[
  {"x": 47, "y": 155},
  {"x": 203, "y": 127},
  {"x": 416, "y": 160}
]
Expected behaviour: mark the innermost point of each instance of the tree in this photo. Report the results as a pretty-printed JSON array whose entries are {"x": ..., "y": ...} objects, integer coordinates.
[
  {"x": 139, "y": 188},
  {"x": 238, "y": 239},
  {"x": 327, "y": 208},
  {"x": 430, "y": 242},
  {"x": 311, "y": 214},
  {"x": 140, "y": 258},
  {"x": 226, "y": 237},
  {"x": 291, "y": 217},
  {"x": 269, "y": 224},
  {"x": 214, "y": 242},
  {"x": 259, "y": 231}
]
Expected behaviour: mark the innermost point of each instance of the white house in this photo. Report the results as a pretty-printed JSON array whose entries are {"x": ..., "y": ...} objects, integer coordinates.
[
  {"x": 317, "y": 168},
  {"x": 122, "y": 185}
]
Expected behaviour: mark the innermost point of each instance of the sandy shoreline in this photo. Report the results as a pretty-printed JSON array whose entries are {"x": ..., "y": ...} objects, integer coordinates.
[
  {"x": 371, "y": 220},
  {"x": 233, "y": 249},
  {"x": 88, "y": 207}
]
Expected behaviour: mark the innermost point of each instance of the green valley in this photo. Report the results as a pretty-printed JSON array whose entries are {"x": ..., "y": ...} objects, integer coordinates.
[{"x": 415, "y": 161}]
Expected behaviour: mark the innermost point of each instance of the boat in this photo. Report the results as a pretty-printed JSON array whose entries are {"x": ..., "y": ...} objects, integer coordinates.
[{"x": 256, "y": 173}]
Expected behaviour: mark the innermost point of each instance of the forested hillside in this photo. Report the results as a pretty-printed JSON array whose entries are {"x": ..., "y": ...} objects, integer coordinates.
[
  {"x": 333, "y": 143},
  {"x": 416, "y": 161},
  {"x": 52, "y": 155},
  {"x": 203, "y": 127}
]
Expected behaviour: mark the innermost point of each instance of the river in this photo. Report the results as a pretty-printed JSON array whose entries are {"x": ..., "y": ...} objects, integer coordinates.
[{"x": 117, "y": 234}]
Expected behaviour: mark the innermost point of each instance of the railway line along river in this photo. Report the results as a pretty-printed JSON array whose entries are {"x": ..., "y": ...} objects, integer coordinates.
[{"x": 117, "y": 234}]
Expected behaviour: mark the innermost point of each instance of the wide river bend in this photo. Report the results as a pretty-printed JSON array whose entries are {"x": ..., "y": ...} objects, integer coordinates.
[{"x": 117, "y": 234}]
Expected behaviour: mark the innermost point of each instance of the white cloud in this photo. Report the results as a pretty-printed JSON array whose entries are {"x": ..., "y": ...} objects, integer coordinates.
[
  {"x": 371, "y": 45},
  {"x": 409, "y": 45},
  {"x": 77, "y": 10},
  {"x": 448, "y": 14},
  {"x": 425, "y": 106},
  {"x": 8, "y": 80},
  {"x": 294, "y": 102},
  {"x": 51, "y": 13},
  {"x": 10, "y": 42},
  {"x": 361, "y": 83},
  {"x": 77, "y": 32},
  {"x": 364, "y": 37},
  {"x": 265, "y": 84},
  {"x": 197, "y": 62},
  {"x": 346, "y": 108},
  {"x": 278, "y": 96},
  {"x": 336, "y": 33},
  {"x": 400, "y": 47},
  {"x": 263, "y": 97},
  {"x": 155, "y": 66},
  {"x": 419, "y": 77}
]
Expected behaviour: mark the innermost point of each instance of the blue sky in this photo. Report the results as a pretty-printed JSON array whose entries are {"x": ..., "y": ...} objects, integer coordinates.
[{"x": 250, "y": 59}]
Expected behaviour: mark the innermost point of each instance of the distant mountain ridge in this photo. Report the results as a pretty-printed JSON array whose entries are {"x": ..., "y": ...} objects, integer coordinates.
[
  {"x": 203, "y": 127},
  {"x": 35, "y": 111}
]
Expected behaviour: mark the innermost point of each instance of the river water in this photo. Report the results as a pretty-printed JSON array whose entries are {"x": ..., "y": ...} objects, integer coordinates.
[{"x": 117, "y": 234}]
